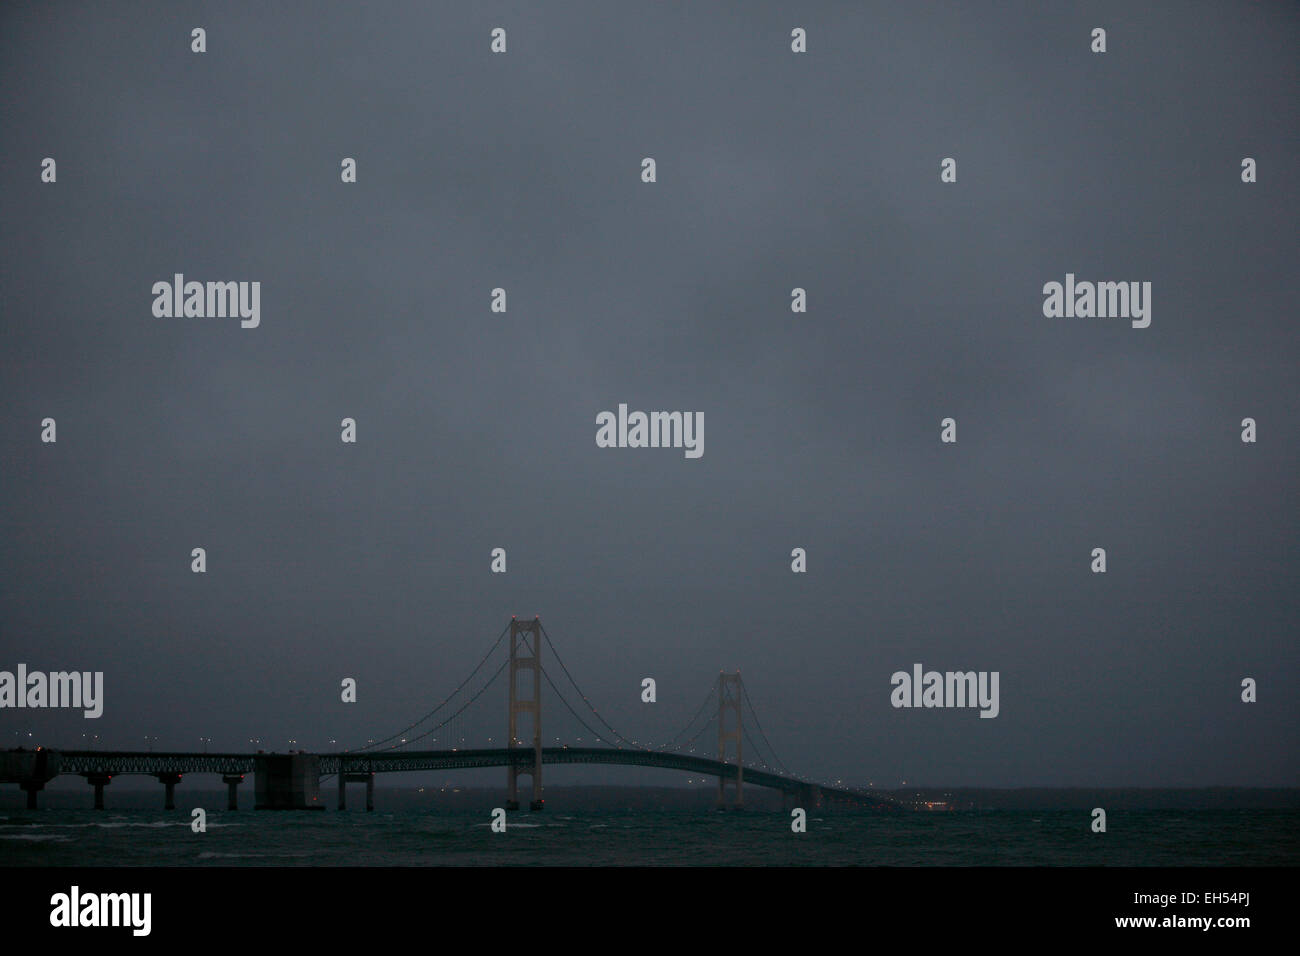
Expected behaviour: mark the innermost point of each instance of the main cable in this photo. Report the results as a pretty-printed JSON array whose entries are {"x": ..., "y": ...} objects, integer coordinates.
[
  {"x": 463, "y": 708},
  {"x": 584, "y": 697},
  {"x": 744, "y": 692},
  {"x": 590, "y": 730},
  {"x": 708, "y": 698},
  {"x": 446, "y": 700}
]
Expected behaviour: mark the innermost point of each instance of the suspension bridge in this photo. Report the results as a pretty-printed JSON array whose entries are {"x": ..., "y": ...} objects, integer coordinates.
[{"x": 292, "y": 780}]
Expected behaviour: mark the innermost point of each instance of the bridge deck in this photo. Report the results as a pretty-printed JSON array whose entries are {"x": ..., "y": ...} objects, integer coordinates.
[{"x": 393, "y": 761}]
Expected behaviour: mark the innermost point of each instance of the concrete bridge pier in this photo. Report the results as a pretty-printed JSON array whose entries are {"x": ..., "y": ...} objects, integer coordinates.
[
  {"x": 99, "y": 781},
  {"x": 32, "y": 787},
  {"x": 232, "y": 781},
  {"x": 30, "y": 769},
  {"x": 368, "y": 778},
  {"x": 287, "y": 781},
  {"x": 169, "y": 781}
]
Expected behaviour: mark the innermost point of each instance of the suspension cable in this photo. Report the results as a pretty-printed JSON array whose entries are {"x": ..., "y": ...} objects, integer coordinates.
[
  {"x": 586, "y": 700},
  {"x": 708, "y": 698},
  {"x": 759, "y": 755},
  {"x": 594, "y": 733},
  {"x": 707, "y": 724},
  {"x": 463, "y": 708},
  {"x": 744, "y": 692},
  {"x": 480, "y": 664}
]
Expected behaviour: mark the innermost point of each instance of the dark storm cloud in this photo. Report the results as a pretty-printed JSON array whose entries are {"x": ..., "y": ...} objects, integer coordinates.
[{"x": 476, "y": 430}]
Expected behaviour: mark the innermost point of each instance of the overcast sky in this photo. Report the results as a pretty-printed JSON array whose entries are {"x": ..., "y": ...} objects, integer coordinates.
[{"x": 477, "y": 430}]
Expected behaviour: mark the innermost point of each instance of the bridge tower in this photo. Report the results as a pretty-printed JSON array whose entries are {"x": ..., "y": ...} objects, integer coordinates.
[
  {"x": 525, "y": 654},
  {"x": 729, "y": 693}
]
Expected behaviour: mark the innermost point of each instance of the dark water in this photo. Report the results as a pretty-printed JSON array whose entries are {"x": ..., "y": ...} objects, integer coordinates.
[{"x": 672, "y": 837}]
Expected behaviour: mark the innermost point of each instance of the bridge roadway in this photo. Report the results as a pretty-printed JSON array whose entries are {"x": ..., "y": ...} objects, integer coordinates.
[{"x": 108, "y": 762}]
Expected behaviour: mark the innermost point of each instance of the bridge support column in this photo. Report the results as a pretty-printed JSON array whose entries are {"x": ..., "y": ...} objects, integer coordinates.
[
  {"x": 30, "y": 769},
  {"x": 99, "y": 781},
  {"x": 525, "y": 654},
  {"x": 730, "y": 691},
  {"x": 169, "y": 781},
  {"x": 32, "y": 787},
  {"x": 232, "y": 780},
  {"x": 287, "y": 781},
  {"x": 367, "y": 777}
]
